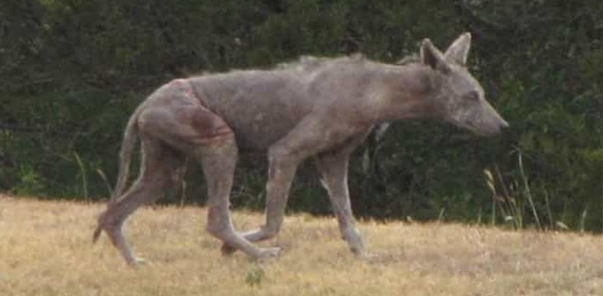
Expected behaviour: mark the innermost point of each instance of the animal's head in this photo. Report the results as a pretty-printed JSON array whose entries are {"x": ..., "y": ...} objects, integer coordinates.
[{"x": 460, "y": 97}]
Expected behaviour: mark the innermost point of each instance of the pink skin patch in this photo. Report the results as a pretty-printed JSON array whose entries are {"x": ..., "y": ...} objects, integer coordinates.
[
  {"x": 210, "y": 126},
  {"x": 185, "y": 86}
]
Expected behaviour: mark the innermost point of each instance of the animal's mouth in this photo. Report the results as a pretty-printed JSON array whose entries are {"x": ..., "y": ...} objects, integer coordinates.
[{"x": 485, "y": 131}]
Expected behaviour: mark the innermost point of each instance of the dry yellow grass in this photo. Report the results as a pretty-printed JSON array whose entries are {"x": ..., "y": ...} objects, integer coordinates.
[{"x": 45, "y": 249}]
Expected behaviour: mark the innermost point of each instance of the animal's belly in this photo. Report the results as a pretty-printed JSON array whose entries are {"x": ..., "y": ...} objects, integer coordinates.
[{"x": 260, "y": 133}]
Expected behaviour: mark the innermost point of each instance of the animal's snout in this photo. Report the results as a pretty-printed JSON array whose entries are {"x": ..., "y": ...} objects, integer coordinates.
[
  {"x": 503, "y": 124},
  {"x": 498, "y": 127},
  {"x": 492, "y": 127}
]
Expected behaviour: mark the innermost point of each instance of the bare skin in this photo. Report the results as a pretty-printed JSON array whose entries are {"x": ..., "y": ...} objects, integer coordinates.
[{"x": 321, "y": 108}]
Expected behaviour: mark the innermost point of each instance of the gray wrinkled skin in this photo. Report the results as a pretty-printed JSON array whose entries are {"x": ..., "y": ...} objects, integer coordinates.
[{"x": 316, "y": 107}]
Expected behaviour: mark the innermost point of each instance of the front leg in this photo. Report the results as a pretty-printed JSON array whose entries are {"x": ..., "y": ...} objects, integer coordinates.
[
  {"x": 281, "y": 170},
  {"x": 282, "y": 167},
  {"x": 309, "y": 137},
  {"x": 283, "y": 160},
  {"x": 333, "y": 166},
  {"x": 218, "y": 166}
]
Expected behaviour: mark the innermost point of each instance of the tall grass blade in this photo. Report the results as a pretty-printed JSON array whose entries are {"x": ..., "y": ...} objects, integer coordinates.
[
  {"x": 583, "y": 220},
  {"x": 83, "y": 172},
  {"x": 527, "y": 190},
  {"x": 105, "y": 181},
  {"x": 479, "y": 216},
  {"x": 182, "y": 193},
  {"x": 441, "y": 215},
  {"x": 548, "y": 208},
  {"x": 507, "y": 203},
  {"x": 490, "y": 183}
]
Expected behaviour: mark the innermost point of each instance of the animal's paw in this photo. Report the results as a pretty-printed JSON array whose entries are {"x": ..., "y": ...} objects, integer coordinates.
[
  {"x": 136, "y": 261},
  {"x": 142, "y": 261},
  {"x": 358, "y": 250},
  {"x": 368, "y": 256},
  {"x": 362, "y": 254},
  {"x": 262, "y": 253},
  {"x": 268, "y": 253},
  {"x": 227, "y": 250}
]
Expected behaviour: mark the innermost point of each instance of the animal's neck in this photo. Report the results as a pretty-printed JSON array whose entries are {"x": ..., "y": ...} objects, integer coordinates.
[{"x": 409, "y": 92}]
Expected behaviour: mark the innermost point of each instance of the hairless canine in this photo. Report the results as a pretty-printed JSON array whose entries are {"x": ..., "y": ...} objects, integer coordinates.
[{"x": 316, "y": 107}]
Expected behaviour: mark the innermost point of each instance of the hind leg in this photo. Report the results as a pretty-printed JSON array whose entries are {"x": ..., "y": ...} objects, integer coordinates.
[
  {"x": 204, "y": 136},
  {"x": 158, "y": 166}
]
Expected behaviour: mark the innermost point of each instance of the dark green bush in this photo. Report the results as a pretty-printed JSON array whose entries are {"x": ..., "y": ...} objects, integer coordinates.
[{"x": 73, "y": 71}]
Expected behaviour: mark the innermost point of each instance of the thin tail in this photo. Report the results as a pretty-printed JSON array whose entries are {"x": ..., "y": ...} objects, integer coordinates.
[{"x": 125, "y": 156}]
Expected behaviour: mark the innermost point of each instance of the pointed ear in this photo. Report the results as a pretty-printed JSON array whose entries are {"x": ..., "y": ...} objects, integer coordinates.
[
  {"x": 432, "y": 57},
  {"x": 459, "y": 50}
]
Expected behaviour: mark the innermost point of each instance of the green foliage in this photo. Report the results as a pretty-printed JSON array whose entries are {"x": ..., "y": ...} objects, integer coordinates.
[
  {"x": 74, "y": 70},
  {"x": 254, "y": 275},
  {"x": 29, "y": 183}
]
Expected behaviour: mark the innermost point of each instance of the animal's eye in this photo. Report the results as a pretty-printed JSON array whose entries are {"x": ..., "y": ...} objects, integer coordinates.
[{"x": 472, "y": 96}]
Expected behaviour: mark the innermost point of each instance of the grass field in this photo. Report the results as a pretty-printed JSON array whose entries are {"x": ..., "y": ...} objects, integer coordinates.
[{"x": 45, "y": 249}]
